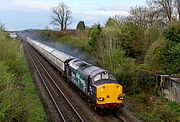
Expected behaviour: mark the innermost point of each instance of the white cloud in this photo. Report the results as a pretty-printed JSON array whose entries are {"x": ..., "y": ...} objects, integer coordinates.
[
  {"x": 90, "y": 13},
  {"x": 96, "y": 13},
  {"x": 29, "y": 5}
]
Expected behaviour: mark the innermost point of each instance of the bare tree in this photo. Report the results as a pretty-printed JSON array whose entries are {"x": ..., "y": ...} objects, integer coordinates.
[
  {"x": 155, "y": 14},
  {"x": 145, "y": 16},
  {"x": 61, "y": 16},
  {"x": 166, "y": 7},
  {"x": 162, "y": 11},
  {"x": 177, "y": 3},
  {"x": 139, "y": 15},
  {"x": 2, "y": 27},
  {"x": 121, "y": 19}
]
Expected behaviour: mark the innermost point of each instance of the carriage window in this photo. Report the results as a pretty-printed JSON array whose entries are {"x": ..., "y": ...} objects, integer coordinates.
[
  {"x": 97, "y": 77},
  {"x": 111, "y": 77},
  {"x": 104, "y": 75}
]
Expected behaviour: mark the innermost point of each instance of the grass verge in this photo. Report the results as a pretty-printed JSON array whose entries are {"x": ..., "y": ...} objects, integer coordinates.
[
  {"x": 36, "y": 111},
  {"x": 18, "y": 99},
  {"x": 153, "y": 108}
]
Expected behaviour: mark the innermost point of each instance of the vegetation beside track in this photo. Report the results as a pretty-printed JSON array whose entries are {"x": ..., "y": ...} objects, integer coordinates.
[
  {"x": 134, "y": 54},
  {"x": 18, "y": 99}
]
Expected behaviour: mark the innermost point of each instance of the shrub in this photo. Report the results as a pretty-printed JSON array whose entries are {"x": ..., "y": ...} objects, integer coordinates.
[
  {"x": 164, "y": 54},
  {"x": 172, "y": 33},
  {"x": 94, "y": 34},
  {"x": 131, "y": 39},
  {"x": 15, "y": 99},
  {"x": 155, "y": 55},
  {"x": 112, "y": 23},
  {"x": 81, "y": 26}
]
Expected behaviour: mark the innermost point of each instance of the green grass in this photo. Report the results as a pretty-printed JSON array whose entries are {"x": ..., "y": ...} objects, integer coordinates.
[
  {"x": 154, "y": 109},
  {"x": 36, "y": 111},
  {"x": 18, "y": 99}
]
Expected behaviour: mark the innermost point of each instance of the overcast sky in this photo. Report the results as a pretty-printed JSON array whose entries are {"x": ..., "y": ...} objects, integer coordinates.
[{"x": 35, "y": 14}]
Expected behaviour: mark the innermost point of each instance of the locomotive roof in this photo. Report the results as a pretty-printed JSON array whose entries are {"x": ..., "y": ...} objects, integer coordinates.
[
  {"x": 86, "y": 68},
  {"x": 93, "y": 70}
]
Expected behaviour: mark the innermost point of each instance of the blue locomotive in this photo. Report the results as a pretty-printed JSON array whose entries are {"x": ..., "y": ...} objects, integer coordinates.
[{"x": 98, "y": 85}]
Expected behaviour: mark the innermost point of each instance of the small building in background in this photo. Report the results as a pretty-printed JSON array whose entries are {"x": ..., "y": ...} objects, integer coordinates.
[{"x": 169, "y": 86}]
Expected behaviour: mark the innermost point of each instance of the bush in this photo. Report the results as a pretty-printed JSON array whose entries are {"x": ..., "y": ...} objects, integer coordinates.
[
  {"x": 172, "y": 33},
  {"x": 15, "y": 101},
  {"x": 112, "y": 23},
  {"x": 155, "y": 55},
  {"x": 94, "y": 34},
  {"x": 81, "y": 26},
  {"x": 164, "y": 54},
  {"x": 112, "y": 57},
  {"x": 131, "y": 39},
  {"x": 172, "y": 59}
]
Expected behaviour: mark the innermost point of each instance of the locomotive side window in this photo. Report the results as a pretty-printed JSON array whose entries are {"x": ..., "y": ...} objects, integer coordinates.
[{"x": 111, "y": 77}]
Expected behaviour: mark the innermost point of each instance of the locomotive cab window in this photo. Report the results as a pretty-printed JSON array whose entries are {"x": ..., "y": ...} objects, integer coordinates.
[
  {"x": 104, "y": 75},
  {"x": 97, "y": 77}
]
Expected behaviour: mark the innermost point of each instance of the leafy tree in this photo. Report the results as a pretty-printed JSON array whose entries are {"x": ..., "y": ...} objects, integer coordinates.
[
  {"x": 81, "y": 26},
  {"x": 172, "y": 59},
  {"x": 155, "y": 55},
  {"x": 94, "y": 34},
  {"x": 172, "y": 33},
  {"x": 130, "y": 39},
  {"x": 112, "y": 23},
  {"x": 172, "y": 52},
  {"x": 80, "y": 29},
  {"x": 164, "y": 54}
]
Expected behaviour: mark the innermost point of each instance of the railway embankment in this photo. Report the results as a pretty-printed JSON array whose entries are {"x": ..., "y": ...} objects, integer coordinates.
[{"x": 18, "y": 98}]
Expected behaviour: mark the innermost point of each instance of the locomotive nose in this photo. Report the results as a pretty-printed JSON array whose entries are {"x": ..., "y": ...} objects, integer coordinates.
[{"x": 109, "y": 94}]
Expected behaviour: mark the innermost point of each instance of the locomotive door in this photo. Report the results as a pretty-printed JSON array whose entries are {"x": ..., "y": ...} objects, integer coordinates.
[{"x": 67, "y": 71}]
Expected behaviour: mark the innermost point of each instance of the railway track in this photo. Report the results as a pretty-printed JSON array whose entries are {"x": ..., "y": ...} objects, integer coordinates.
[
  {"x": 54, "y": 91},
  {"x": 65, "y": 109}
]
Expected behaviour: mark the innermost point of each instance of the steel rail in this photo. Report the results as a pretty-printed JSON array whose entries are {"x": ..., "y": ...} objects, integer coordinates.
[
  {"x": 51, "y": 96},
  {"x": 57, "y": 88}
]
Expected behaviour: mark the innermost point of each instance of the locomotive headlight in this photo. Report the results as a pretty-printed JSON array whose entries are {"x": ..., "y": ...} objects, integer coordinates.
[
  {"x": 121, "y": 96},
  {"x": 100, "y": 99}
]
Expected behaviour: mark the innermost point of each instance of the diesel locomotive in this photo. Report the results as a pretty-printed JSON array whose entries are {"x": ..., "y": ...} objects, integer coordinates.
[{"x": 98, "y": 85}]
